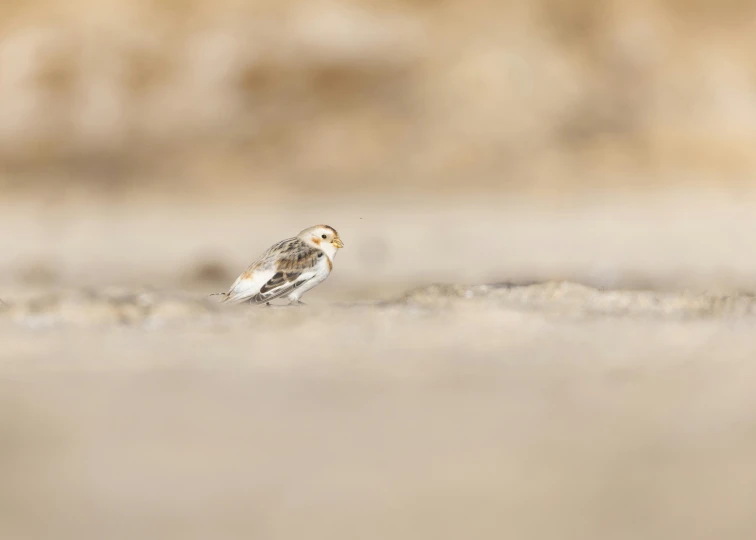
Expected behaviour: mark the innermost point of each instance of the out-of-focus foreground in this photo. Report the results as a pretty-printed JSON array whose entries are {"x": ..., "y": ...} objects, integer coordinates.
[
  {"x": 597, "y": 155},
  {"x": 538, "y": 412}
]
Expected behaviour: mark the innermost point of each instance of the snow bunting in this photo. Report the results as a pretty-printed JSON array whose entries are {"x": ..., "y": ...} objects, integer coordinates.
[{"x": 289, "y": 268}]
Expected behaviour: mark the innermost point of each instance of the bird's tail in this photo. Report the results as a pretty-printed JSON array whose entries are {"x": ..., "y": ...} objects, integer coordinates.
[{"x": 223, "y": 294}]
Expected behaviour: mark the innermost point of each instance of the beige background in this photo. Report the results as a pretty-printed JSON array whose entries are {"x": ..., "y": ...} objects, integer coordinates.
[
  {"x": 596, "y": 156},
  {"x": 299, "y": 96}
]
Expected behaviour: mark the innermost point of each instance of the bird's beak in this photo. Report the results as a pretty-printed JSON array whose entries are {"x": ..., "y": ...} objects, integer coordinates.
[{"x": 337, "y": 243}]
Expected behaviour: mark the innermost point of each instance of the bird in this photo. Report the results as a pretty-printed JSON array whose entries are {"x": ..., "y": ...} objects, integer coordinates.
[{"x": 288, "y": 269}]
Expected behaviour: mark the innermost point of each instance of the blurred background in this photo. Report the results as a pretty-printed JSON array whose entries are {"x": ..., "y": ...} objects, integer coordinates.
[
  {"x": 363, "y": 96},
  {"x": 151, "y": 149},
  {"x": 150, "y": 142}
]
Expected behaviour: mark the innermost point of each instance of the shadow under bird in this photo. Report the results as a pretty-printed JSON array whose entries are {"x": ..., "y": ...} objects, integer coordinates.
[{"x": 289, "y": 268}]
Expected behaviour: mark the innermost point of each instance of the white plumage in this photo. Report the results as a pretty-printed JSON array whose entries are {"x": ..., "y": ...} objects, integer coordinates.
[{"x": 289, "y": 268}]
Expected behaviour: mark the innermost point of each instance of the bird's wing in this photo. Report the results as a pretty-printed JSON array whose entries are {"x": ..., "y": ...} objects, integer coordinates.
[
  {"x": 247, "y": 285},
  {"x": 284, "y": 267},
  {"x": 293, "y": 255},
  {"x": 281, "y": 284}
]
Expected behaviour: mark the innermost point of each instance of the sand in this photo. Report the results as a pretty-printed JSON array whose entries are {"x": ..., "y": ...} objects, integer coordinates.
[
  {"x": 613, "y": 400},
  {"x": 541, "y": 326}
]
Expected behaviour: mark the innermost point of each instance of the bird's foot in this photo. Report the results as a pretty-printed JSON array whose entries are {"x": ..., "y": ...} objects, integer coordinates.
[{"x": 297, "y": 303}]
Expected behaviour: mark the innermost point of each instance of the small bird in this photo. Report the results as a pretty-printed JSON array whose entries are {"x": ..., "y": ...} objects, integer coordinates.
[{"x": 289, "y": 268}]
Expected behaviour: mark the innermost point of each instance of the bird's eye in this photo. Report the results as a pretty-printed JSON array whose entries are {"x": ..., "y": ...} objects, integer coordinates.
[{"x": 324, "y": 237}]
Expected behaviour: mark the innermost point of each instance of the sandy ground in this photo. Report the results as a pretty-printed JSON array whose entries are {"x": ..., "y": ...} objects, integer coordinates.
[
  {"x": 131, "y": 406},
  {"x": 584, "y": 371}
]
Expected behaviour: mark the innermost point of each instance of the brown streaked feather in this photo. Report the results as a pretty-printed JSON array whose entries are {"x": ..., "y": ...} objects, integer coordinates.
[
  {"x": 279, "y": 285},
  {"x": 287, "y": 255},
  {"x": 280, "y": 278},
  {"x": 297, "y": 256}
]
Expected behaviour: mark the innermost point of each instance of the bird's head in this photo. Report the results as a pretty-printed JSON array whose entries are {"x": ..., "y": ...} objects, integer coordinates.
[{"x": 322, "y": 237}]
